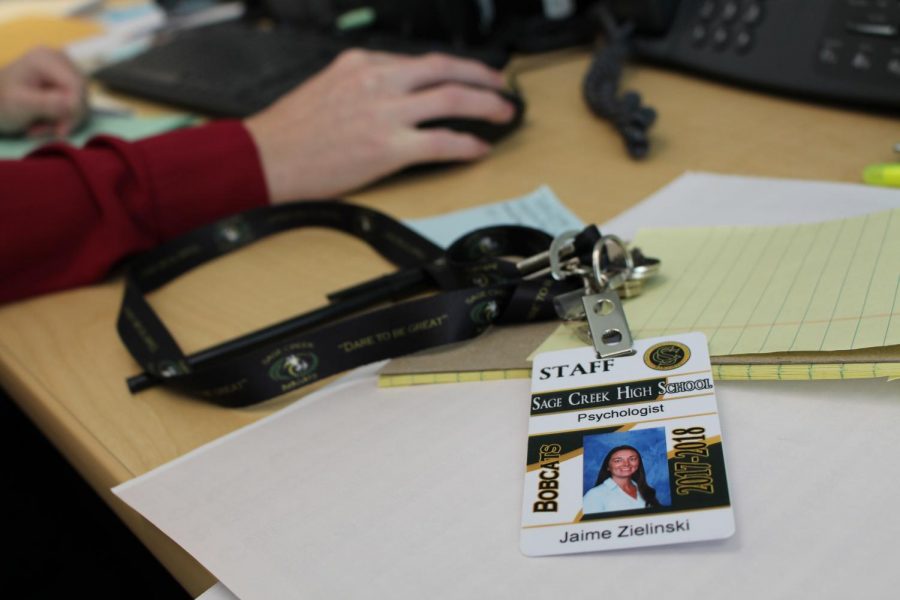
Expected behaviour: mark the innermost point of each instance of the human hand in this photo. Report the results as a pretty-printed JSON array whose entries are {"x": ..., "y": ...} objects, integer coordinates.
[
  {"x": 355, "y": 121},
  {"x": 41, "y": 92}
]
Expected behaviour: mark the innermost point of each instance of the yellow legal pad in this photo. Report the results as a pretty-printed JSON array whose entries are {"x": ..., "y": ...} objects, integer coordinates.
[{"x": 810, "y": 301}]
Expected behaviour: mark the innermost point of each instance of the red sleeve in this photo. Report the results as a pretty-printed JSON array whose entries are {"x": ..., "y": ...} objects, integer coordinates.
[{"x": 68, "y": 215}]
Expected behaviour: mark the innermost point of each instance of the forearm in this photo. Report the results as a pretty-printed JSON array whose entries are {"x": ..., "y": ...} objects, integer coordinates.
[{"x": 68, "y": 215}]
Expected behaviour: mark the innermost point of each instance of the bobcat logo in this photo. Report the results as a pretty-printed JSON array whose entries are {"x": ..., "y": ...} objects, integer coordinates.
[
  {"x": 233, "y": 233},
  {"x": 293, "y": 366},
  {"x": 485, "y": 312}
]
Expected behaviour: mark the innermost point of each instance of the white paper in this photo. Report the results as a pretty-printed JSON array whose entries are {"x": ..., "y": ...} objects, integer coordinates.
[
  {"x": 217, "y": 592},
  {"x": 705, "y": 199},
  {"x": 415, "y": 492}
]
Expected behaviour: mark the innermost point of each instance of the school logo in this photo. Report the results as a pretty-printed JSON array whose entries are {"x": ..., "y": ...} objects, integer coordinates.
[
  {"x": 480, "y": 247},
  {"x": 484, "y": 312},
  {"x": 666, "y": 356},
  {"x": 481, "y": 280},
  {"x": 365, "y": 223},
  {"x": 294, "y": 366},
  {"x": 232, "y": 233},
  {"x": 488, "y": 246},
  {"x": 169, "y": 368}
]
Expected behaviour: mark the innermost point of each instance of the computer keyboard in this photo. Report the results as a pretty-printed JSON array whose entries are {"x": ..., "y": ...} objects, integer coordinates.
[{"x": 234, "y": 70}]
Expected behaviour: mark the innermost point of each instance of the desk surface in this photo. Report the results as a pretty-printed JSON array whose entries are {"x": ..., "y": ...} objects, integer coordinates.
[{"x": 61, "y": 359}]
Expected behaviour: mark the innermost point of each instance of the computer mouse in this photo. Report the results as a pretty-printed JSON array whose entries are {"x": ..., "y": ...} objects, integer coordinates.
[{"x": 486, "y": 130}]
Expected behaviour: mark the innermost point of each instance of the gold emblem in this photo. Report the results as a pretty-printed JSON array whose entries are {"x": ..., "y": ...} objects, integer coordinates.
[{"x": 666, "y": 356}]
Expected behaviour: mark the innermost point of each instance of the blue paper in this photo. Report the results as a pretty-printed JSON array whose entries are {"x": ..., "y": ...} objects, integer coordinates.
[{"x": 540, "y": 209}]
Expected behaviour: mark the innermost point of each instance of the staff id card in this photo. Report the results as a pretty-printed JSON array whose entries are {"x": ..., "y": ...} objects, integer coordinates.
[{"x": 624, "y": 452}]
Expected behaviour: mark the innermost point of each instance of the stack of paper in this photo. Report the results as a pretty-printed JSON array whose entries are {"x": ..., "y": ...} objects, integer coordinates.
[
  {"x": 788, "y": 279},
  {"x": 787, "y": 302},
  {"x": 13, "y": 9},
  {"x": 89, "y": 33}
]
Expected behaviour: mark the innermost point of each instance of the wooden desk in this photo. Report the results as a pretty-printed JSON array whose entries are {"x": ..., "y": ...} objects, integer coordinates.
[{"x": 61, "y": 359}]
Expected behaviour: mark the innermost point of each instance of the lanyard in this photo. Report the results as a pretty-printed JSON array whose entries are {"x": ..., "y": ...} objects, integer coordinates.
[{"x": 476, "y": 288}]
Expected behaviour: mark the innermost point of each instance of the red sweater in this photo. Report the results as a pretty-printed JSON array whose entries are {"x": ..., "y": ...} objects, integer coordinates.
[{"x": 68, "y": 215}]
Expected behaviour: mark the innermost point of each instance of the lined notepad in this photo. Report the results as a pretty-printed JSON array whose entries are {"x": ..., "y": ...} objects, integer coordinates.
[
  {"x": 824, "y": 292},
  {"x": 816, "y": 288},
  {"x": 813, "y": 287}
]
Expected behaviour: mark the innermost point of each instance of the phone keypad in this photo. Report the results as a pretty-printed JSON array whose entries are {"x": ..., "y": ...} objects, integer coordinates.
[
  {"x": 725, "y": 25},
  {"x": 863, "y": 41}
]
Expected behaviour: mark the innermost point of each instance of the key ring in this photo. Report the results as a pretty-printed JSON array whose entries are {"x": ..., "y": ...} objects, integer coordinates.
[
  {"x": 602, "y": 278},
  {"x": 561, "y": 245}
]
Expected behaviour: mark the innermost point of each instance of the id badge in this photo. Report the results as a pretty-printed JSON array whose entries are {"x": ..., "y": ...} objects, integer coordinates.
[{"x": 624, "y": 452}]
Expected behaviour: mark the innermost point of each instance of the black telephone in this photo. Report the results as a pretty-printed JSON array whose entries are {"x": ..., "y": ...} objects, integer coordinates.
[{"x": 840, "y": 50}]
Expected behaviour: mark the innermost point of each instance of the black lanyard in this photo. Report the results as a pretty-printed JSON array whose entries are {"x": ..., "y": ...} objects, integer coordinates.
[{"x": 477, "y": 289}]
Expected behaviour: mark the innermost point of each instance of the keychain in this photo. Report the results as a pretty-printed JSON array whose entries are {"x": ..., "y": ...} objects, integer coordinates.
[{"x": 599, "y": 301}]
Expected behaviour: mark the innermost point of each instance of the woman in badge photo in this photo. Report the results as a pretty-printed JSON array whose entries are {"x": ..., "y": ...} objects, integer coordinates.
[{"x": 621, "y": 484}]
